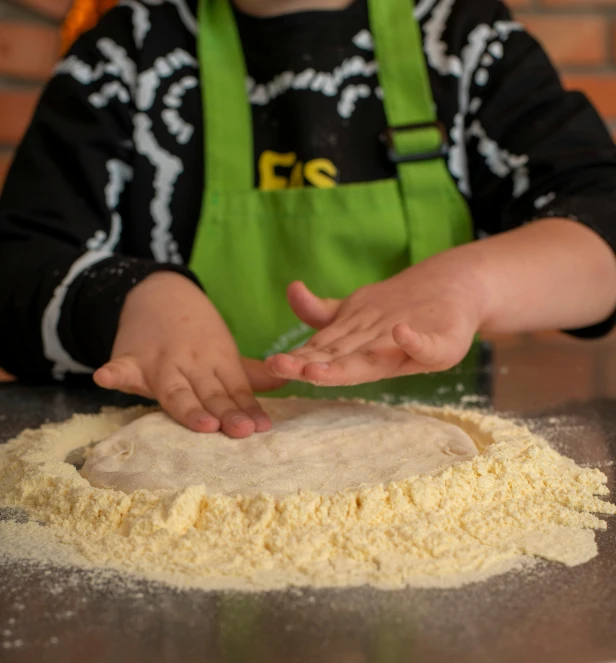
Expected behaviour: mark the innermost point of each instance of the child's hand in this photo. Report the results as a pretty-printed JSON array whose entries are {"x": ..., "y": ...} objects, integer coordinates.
[
  {"x": 422, "y": 320},
  {"x": 173, "y": 346}
]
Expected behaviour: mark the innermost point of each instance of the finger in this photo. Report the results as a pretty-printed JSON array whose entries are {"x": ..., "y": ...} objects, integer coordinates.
[
  {"x": 178, "y": 399},
  {"x": 238, "y": 388},
  {"x": 370, "y": 363},
  {"x": 258, "y": 376},
  {"x": 284, "y": 366},
  {"x": 215, "y": 399},
  {"x": 292, "y": 366},
  {"x": 427, "y": 349},
  {"x": 314, "y": 311},
  {"x": 323, "y": 347},
  {"x": 123, "y": 374}
]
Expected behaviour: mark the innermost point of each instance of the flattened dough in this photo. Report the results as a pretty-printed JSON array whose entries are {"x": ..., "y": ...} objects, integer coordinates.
[{"x": 318, "y": 445}]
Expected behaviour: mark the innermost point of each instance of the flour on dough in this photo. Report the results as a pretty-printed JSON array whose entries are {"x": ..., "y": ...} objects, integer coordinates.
[{"x": 317, "y": 445}]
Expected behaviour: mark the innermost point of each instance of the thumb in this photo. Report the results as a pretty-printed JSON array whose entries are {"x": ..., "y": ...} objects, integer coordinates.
[
  {"x": 427, "y": 349},
  {"x": 124, "y": 374},
  {"x": 314, "y": 311},
  {"x": 259, "y": 378}
]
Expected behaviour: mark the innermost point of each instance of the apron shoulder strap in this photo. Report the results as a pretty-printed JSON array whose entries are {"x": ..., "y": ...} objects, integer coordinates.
[
  {"x": 417, "y": 143},
  {"x": 226, "y": 109}
]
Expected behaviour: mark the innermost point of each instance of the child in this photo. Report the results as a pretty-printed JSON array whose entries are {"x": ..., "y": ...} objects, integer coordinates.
[{"x": 344, "y": 141}]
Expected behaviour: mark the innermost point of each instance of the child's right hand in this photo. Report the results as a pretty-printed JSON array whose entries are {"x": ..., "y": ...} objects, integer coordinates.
[{"x": 172, "y": 345}]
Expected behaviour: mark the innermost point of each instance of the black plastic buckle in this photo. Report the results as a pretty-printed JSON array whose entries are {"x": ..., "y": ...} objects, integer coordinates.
[{"x": 388, "y": 138}]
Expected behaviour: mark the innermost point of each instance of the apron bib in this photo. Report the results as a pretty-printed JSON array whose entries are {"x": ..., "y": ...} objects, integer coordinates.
[{"x": 251, "y": 244}]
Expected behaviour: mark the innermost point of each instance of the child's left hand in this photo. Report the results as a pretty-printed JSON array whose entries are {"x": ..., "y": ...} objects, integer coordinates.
[{"x": 421, "y": 320}]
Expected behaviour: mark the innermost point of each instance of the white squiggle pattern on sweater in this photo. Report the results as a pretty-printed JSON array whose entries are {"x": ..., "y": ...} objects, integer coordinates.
[
  {"x": 330, "y": 84},
  {"x": 167, "y": 169},
  {"x": 141, "y": 20},
  {"x": 100, "y": 247},
  {"x": 177, "y": 125},
  {"x": 478, "y": 42},
  {"x": 164, "y": 66}
]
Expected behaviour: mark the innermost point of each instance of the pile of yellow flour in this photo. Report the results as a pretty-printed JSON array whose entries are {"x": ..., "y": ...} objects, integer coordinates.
[{"x": 516, "y": 498}]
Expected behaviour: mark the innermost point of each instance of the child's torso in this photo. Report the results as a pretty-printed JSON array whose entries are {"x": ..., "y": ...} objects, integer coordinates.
[{"x": 316, "y": 104}]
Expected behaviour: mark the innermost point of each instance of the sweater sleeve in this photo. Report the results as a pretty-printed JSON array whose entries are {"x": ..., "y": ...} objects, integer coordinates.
[
  {"x": 63, "y": 274},
  {"x": 534, "y": 149}
]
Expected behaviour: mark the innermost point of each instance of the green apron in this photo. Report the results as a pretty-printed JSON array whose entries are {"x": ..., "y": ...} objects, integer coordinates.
[{"x": 251, "y": 244}]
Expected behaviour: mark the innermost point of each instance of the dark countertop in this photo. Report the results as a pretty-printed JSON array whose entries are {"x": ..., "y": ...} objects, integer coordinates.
[{"x": 566, "y": 390}]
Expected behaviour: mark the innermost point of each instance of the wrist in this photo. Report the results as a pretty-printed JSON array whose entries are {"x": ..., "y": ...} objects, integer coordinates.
[
  {"x": 160, "y": 283},
  {"x": 458, "y": 275},
  {"x": 161, "y": 278},
  {"x": 97, "y": 300}
]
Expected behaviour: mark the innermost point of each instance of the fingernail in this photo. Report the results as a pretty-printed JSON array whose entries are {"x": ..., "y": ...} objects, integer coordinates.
[
  {"x": 204, "y": 419},
  {"x": 239, "y": 419},
  {"x": 322, "y": 366},
  {"x": 262, "y": 422},
  {"x": 107, "y": 375}
]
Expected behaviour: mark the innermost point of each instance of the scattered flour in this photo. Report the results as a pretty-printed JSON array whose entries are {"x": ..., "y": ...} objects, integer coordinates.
[{"x": 517, "y": 498}]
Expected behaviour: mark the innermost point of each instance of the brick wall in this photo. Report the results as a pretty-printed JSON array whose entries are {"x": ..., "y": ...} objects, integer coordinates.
[
  {"x": 580, "y": 35},
  {"x": 28, "y": 49}
]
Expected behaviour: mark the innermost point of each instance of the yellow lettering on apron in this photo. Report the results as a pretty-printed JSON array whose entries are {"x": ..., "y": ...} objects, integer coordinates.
[
  {"x": 268, "y": 161},
  {"x": 321, "y": 173},
  {"x": 297, "y": 176}
]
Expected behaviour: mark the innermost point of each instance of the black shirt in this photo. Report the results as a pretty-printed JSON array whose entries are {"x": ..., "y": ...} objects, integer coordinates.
[{"x": 106, "y": 187}]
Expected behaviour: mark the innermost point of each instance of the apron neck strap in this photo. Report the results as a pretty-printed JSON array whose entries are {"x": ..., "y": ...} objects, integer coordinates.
[
  {"x": 226, "y": 109},
  {"x": 413, "y": 135},
  {"x": 402, "y": 71}
]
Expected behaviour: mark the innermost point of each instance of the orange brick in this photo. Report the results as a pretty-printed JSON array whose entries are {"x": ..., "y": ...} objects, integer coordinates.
[
  {"x": 5, "y": 162},
  {"x": 570, "y": 40},
  {"x": 578, "y": 4},
  {"x": 600, "y": 88},
  {"x": 27, "y": 51},
  {"x": 5, "y": 377},
  {"x": 16, "y": 108},
  {"x": 53, "y": 8},
  {"x": 614, "y": 41}
]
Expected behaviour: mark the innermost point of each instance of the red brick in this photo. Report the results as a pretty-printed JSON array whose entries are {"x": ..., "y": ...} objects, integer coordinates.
[
  {"x": 53, "y": 8},
  {"x": 27, "y": 51},
  {"x": 5, "y": 377},
  {"x": 614, "y": 41},
  {"x": 600, "y": 88},
  {"x": 570, "y": 40},
  {"x": 16, "y": 108},
  {"x": 578, "y": 4},
  {"x": 5, "y": 162}
]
